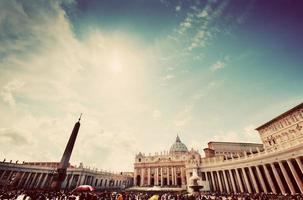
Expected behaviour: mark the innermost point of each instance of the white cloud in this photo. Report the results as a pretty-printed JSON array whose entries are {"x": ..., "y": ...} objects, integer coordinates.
[
  {"x": 168, "y": 77},
  {"x": 217, "y": 66},
  {"x": 178, "y": 8},
  {"x": 7, "y": 92}
]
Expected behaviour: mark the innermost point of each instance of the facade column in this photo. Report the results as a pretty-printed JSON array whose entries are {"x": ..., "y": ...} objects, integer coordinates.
[
  {"x": 172, "y": 176},
  {"x": 254, "y": 180},
  {"x": 80, "y": 177},
  {"x": 175, "y": 175},
  {"x": 135, "y": 177},
  {"x": 161, "y": 171},
  {"x": 232, "y": 180},
  {"x": 142, "y": 177},
  {"x": 272, "y": 186},
  {"x": 182, "y": 177},
  {"x": 278, "y": 178},
  {"x": 219, "y": 180},
  {"x": 226, "y": 182},
  {"x": 296, "y": 176},
  {"x": 156, "y": 178},
  {"x": 167, "y": 174},
  {"x": 239, "y": 180},
  {"x": 261, "y": 179},
  {"x": 71, "y": 181},
  {"x": 246, "y": 180},
  {"x": 300, "y": 164},
  {"x": 287, "y": 178},
  {"x": 148, "y": 177}
]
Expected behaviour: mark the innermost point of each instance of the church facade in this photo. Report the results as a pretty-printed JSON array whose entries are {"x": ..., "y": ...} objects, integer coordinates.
[{"x": 275, "y": 166}]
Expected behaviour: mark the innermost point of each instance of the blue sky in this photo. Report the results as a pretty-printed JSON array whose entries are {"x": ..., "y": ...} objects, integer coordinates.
[{"x": 142, "y": 71}]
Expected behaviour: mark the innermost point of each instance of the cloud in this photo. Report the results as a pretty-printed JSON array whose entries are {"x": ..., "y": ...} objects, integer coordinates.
[
  {"x": 13, "y": 137},
  {"x": 178, "y": 8},
  {"x": 168, "y": 77},
  {"x": 217, "y": 66},
  {"x": 8, "y": 90}
]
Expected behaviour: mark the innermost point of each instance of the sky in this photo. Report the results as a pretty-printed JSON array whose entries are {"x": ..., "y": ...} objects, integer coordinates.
[{"x": 141, "y": 72}]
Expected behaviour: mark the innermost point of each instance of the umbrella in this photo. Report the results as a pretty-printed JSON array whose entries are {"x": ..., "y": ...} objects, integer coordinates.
[
  {"x": 84, "y": 188},
  {"x": 154, "y": 197}
]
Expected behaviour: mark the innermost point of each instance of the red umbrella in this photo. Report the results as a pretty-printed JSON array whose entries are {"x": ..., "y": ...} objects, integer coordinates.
[{"x": 84, "y": 188}]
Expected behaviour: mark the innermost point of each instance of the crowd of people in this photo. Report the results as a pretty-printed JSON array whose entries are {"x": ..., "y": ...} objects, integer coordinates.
[{"x": 128, "y": 195}]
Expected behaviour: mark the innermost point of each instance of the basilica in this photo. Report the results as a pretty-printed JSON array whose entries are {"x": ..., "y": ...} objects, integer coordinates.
[{"x": 274, "y": 166}]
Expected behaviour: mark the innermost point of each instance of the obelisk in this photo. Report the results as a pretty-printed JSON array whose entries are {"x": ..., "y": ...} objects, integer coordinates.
[{"x": 60, "y": 175}]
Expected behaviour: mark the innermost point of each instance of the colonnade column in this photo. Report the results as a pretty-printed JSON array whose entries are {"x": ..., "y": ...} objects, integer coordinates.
[
  {"x": 2, "y": 174},
  {"x": 296, "y": 176},
  {"x": 213, "y": 180},
  {"x": 38, "y": 181},
  {"x": 219, "y": 180},
  {"x": 254, "y": 180},
  {"x": 232, "y": 180},
  {"x": 289, "y": 183},
  {"x": 278, "y": 178},
  {"x": 272, "y": 186},
  {"x": 246, "y": 180},
  {"x": 261, "y": 179},
  {"x": 300, "y": 164},
  {"x": 226, "y": 182},
  {"x": 239, "y": 180},
  {"x": 182, "y": 177},
  {"x": 44, "y": 180}
]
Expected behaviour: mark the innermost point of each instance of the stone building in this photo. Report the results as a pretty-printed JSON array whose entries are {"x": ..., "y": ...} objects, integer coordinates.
[
  {"x": 275, "y": 166},
  {"x": 38, "y": 175}
]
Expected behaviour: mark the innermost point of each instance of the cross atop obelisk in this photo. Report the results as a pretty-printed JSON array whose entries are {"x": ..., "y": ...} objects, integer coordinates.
[{"x": 61, "y": 170}]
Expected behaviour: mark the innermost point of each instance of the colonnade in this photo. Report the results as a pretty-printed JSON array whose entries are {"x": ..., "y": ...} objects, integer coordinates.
[
  {"x": 27, "y": 178},
  {"x": 285, "y": 176}
]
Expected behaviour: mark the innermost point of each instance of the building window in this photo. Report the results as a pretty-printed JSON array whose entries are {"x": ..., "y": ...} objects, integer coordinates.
[{"x": 139, "y": 159}]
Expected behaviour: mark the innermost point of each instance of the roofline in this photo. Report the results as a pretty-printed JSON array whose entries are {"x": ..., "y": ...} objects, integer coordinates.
[
  {"x": 234, "y": 143},
  {"x": 280, "y": 116}
]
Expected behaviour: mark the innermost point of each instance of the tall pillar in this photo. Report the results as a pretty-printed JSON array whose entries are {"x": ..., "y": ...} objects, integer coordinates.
[
  {"x": 300, "y": 164},
  {"x": 148, "y": 176},
  {"x": 278, "y": 178},
  {"x": 61, "y": 170},
  {"x": 296, "y": 176},
  {"x": 287, "y": 178},
  {"x": 161, "y": 171},
  {"x": 254, "y": 180},
  {"x": 261, "y": 179},
  {"x": 44, "y": 180},
  {"x": 270, "y": 181},
  {"x": 219, "y": 180},
  {"x": 239, "y": 180},
  {"x": 226, "y": 182},
  {"x": 167, "y": 174},
  {"x": 27, "y": 180},
  {"x": 232, "y": 181},
  {"x": 246, "y": 180}
]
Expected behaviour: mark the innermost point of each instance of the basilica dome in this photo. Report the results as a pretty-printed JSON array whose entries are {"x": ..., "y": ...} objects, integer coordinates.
[{"x": 178, "y": 147}]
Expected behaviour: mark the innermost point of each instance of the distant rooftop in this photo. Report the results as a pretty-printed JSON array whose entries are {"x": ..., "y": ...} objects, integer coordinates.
[{"x": 280, "y": 116}]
